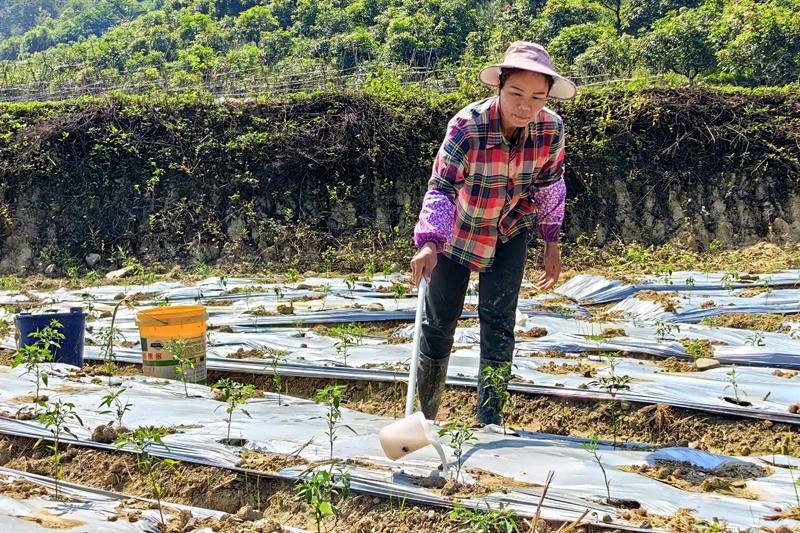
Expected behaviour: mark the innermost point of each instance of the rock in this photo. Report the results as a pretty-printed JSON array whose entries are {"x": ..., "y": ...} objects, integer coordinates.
[
  {"x": 120, "y": 273},
  {"x": 304, "y": 345},
  {"x": 431, "y": 514},
  {"x": 794, "y": 408},
  {"x": 92, "y": 259},
  {"x": 375, "y": 307},
  {"x": 682, "y": 444},
  {"x": 286, "y": 309},
  {"x": 50, "y": 270},
  {"x": 625, "y": 406},
  {"x": 745, "y": 451},
  {"x": 376, "y": 501},
  {"x": 520, "y": 319},
  {"x": 695, "y": 444},
  {"x": 706, "y": 363},
  {"x": 304, "y": 287},
  {"x": 309, "y": 274},
  {"x": 607, "y": 519},
  {"x": 249, "y": 514},
  {"x": 783, "y": 529}
]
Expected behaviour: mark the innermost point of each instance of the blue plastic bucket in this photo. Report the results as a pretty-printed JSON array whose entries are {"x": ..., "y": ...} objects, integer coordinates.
[{"x": 72, "y": 326}]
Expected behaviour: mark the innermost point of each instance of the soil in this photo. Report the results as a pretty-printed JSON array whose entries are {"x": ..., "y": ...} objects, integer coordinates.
[
  {"x": 22, "y": 489},
  {"x": 218, "y": 303},
  {"x": 584, "y": 369},
  {"x": 48, "y": 520},
  {"x": 753, "y": 321},
  {"x": 730, "y": 478},
  {"x": 108, "y": 433},
  {"x": 672, "y": 364},
  {"x": 249, "y": 499},
  {"x": 270, "y": 462},
  {"x": 533, "y": 333},
  {"x": 660, "y": 424},
  {"x": 667, "y": 299}
]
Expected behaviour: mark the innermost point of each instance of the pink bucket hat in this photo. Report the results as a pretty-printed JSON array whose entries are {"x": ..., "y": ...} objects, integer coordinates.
[{"x": 533, "y": 57}]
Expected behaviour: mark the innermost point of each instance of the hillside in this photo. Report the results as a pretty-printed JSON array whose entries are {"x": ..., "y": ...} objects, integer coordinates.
[{"x": 180, "y": 43}]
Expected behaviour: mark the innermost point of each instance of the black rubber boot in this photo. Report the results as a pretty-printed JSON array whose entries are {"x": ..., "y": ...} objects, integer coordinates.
[
  {"x": 489, "y": 407},
  {"x": 431, "y": 375}
]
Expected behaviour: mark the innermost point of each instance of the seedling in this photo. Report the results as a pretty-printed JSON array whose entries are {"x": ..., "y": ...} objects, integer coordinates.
[
  {"x": 278, "y": 293},
  {"x": 55, "y": 419},
  {"x": 112, "y": 398},
  {"x": 369, "y": 271},
  {"x": 756, "y": 339},
  {"x": 108, "y": 336},
  {"x": 331, "y": 396},
  {"x": 292, "y": 274},
  {"x": 142, "y": 440},
  {"x": 732, "y": 383},
  {"x": 696, "y": 348},
  {"x": 500, "y": 520},
  {"x": 470, "y": 293},
  {"x": 184, "y": 363},
  {"x": 399, "y": 290},
  {"x": 665, "y": 329},
  {"x": 35, "y": 355},
  {"x": 591, "y": 447},
  {"x": 350, "y": 335},
  {"x": 690, "y": 284},
  {"x": 326, "y": 290},
  {"x": 235, "y": 394},
  {"x": 202, "y": 270},
  {"x": 88, "y": 302},
  {"x": 277, "y": 380},
  {"x": 350, "y": 283},
  {"x": 496, "y": 382},
  {"x": 387, "y": 269},
  {"x": 323, "y": 491},
  {"x": 459, "y": 434},
  {"x": 613, "y": 384},
  {"x": 727, "y": 280}
]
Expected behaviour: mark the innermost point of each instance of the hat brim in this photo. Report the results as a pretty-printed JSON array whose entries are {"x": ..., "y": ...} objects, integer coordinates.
[{"x": 562, "y": 89}]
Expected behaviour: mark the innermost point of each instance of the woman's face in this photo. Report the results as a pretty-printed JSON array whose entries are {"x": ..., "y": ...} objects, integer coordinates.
[{"x": 523, "y": 95}]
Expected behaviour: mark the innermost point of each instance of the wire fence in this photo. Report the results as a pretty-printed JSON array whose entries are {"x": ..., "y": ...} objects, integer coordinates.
[{"x": 63, "y": 81}]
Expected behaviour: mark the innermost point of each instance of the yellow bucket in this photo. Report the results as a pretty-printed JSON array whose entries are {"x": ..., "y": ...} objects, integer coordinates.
[{"x": 159, "y": 325}]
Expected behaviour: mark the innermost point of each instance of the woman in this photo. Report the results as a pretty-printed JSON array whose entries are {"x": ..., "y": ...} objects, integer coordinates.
[{"x": 501, "y": 164}]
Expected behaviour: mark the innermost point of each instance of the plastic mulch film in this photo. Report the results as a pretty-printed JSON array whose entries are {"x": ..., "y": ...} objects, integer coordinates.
[
  {"x": 299, "y": 427},
  {"x": 82, "y": 509},
  {"x": 589, "y": 289}
]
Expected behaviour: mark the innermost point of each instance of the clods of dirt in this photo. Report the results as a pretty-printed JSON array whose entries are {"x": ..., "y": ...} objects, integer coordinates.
[
  {"x": 270, "y": 462},
  {"x": 108, "y": 433},
  {"x": 729, "y": 478},
  {"x": 584, "y": 369},
  {"x": 533, "y": 333}
]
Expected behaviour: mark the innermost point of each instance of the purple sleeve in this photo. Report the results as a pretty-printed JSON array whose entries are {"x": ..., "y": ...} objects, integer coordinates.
[
  {"x": 438, "y": 213},
  {"x": 549, "y": 201},
  {"x": 435, "y": 220}
]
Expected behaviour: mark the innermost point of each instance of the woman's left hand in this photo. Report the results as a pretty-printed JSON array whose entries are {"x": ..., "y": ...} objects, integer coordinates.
[{"x": 552, "y": 266}]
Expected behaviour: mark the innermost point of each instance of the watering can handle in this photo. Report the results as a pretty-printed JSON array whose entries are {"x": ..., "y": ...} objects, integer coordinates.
[{"x": 412, "y": 374}]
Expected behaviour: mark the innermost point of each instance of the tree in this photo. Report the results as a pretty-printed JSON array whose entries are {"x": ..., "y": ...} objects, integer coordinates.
[
  {"x": 762, "y": 43},
  {"x": 681, "y": 42},
  {"x": 640, "y": 15},
  {"x": 573, "y": 41},
  {"x": 611, "y": 57}
]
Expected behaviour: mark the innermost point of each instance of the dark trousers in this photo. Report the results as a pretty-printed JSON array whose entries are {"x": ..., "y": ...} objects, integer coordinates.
[{"x": 498, "y": 290}]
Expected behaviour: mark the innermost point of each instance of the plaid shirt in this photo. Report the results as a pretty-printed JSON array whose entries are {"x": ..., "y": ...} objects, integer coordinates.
[{"x": 482, "y": 188}]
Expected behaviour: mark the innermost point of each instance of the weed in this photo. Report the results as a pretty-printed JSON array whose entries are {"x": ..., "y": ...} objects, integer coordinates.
[
  {"x": 235, "y": 394},
  {"x": 591, "y": 447},
  {"x": 326, "y": 290},
  {"x": 496, "y": 380},
  {"x": 292, "y": 274},
  {"x": 119, "y": 408},
  {"x": 178, "y": 349},
  {"x": 35, "y": 355},
  {"x": 202, "y": 270},
  {"x": 278, "y": 293},
  {"x": 696, "y": 348},
  {"x": 350, "y": 283},
  {"x": 55, "y": 418},
  {"x": 459, "y": 434},
  {"x": 323, "y": 491},
  {"x": 500, "y": 520},
  {"x": 142, "y": 439},
  {"x": 9, "y": 283}
]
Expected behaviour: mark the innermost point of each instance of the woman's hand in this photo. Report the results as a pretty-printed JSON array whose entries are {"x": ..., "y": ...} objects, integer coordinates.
[
  {"x": 423, "y": 263},
  {"x": 552, "y": 266}
]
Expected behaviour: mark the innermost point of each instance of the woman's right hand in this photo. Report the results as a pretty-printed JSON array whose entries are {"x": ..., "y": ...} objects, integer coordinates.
[{"x": 423, "y": 263}]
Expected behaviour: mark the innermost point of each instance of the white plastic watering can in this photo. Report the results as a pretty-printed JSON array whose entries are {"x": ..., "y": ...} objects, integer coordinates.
[{"x": 413, "y": 432}]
